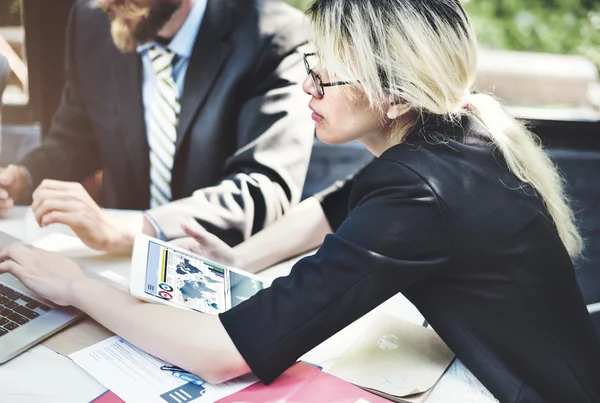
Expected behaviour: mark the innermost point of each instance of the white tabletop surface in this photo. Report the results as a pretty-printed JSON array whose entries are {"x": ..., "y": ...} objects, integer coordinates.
[{"x": 43, "y": 376}]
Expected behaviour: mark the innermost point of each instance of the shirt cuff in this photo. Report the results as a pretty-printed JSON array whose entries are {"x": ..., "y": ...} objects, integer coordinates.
[
  {"x": 28, "y": 174},
  {"x": 159, "y": 234}
]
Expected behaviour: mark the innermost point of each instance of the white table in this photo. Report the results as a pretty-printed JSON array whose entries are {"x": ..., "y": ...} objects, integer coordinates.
[{"x": 42, "y": 376}]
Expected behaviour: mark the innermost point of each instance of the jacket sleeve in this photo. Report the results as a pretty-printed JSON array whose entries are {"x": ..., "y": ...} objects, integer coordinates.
[
  {"x": 335, "y": 200},
  {"x": 69, "y": 152},
  {"x": 265, "y": 177},
  {"x": 392, "y": 238}
]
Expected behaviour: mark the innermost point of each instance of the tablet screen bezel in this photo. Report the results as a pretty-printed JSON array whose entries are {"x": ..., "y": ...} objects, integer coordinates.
[{"x": 140, "y": 264}]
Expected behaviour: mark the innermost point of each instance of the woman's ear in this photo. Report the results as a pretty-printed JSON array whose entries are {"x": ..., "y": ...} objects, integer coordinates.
[{"x": 397, "y": 109}]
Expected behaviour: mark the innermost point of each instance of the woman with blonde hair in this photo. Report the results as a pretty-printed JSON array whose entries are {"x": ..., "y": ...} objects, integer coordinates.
[{"x": 461, "y": 211}]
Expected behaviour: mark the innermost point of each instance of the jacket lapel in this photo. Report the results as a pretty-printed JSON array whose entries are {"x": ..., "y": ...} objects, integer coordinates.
[
  {"x": 127, "y": 73},
  {"x": 210, "y": 52}
]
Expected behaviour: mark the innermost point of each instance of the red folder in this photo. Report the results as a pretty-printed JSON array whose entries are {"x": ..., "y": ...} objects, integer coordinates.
[
  {"x": 107, "y": 397},
  {"x": 304, "y": 383}
]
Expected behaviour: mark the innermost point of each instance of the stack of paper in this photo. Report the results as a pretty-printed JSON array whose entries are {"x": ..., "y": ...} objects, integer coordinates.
[
  {"x": 399, "y": 360},
  {"x": 136, "y": 377}
]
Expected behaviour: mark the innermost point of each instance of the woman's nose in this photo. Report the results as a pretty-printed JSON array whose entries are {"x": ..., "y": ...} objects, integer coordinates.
[{"x": 308, "y": 86}]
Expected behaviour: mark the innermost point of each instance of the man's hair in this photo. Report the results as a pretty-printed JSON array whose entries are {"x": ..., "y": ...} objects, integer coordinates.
[{"x": 144, "y": 21}]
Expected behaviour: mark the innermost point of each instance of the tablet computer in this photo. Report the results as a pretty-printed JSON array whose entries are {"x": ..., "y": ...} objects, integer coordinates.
[{"x": 161, "y": 272}]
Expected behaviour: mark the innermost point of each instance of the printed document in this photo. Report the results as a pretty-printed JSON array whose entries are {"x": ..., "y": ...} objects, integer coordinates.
[{"x": 136, "y": 377}]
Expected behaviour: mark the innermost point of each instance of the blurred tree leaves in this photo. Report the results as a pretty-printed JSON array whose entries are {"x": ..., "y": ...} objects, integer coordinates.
[
  {"x": 10, "y": 12},
  {"x": 553, "y": 26},
  {"x": 301, "y": 4}
]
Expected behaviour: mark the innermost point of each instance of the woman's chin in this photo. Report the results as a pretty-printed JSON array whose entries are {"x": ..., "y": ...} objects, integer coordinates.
[{"x": 331, "y": 139}]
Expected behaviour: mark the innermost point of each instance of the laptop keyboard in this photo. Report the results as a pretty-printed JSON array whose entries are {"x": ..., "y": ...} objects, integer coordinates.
[{"x": 17, "y": 309}]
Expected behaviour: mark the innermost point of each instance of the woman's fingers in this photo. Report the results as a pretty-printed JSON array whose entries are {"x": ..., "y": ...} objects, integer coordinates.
[
  {"x": 196, "y": 231},
  {"x": 18, "y": 253},
  {"x": 12, "y": 267},
  {"x": 187, "y": 243},
  {"x": 202, "y": 236}
]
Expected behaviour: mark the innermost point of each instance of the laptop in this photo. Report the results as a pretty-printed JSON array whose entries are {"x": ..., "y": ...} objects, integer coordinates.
[{"x": 24, "y": 319}]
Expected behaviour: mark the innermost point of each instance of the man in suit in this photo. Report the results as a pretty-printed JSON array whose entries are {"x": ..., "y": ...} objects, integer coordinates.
[{"x": 192, "y": 108}]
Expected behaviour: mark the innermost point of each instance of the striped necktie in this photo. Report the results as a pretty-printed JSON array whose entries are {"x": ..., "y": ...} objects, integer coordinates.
[{"x": 162, "y": 130}]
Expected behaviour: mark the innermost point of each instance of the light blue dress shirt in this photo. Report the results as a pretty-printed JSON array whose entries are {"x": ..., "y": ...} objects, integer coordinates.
[{"x": 182, "y": 46}]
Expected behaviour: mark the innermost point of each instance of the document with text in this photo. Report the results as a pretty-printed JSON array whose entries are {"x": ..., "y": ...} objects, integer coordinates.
[{"x": 135, "y": 376}]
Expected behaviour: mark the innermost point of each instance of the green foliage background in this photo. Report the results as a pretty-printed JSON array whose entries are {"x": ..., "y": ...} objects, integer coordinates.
[
  {"x": 553, "y": 26},
  {"x": 10, "y": 12}
]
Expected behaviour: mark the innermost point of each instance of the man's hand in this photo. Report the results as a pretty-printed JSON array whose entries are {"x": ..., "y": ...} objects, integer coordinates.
[
  {"x": 48, "y": 274},
  {"x": 204, "y": 243},
  {"x": 68, "y": 203},
  {"x": 15, "y": 185}
]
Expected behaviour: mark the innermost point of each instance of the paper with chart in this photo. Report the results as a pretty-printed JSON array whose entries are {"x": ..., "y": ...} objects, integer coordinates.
[{"x": 136, "y": 377}]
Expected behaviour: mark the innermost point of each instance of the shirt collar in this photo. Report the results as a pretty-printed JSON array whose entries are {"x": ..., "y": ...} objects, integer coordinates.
[{"x": 182, "y": 43}]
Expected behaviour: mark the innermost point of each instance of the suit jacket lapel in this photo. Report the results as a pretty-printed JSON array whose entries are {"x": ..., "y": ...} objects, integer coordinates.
[
  {"x": 127, "y": 73},
  {"x": 210, "y": 52}
]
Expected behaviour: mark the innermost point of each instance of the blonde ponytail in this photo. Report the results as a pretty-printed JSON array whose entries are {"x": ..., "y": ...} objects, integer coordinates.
[
  {"x": 425, "y": 54},
  {"x": 529, "y": 162}
]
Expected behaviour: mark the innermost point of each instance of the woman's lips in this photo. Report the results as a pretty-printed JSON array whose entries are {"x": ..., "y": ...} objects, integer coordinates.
[{"x": 315, "y": 116}]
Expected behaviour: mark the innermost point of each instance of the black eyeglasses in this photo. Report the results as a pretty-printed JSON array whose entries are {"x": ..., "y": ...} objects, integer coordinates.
[{"x": 317, "y": 81}]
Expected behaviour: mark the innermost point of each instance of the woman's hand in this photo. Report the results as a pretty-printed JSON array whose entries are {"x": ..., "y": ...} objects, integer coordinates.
[
  {"x": 48, "y": 274},
  {"x": 204, "y": 243},
  {"x": 207, "y": 352}
]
